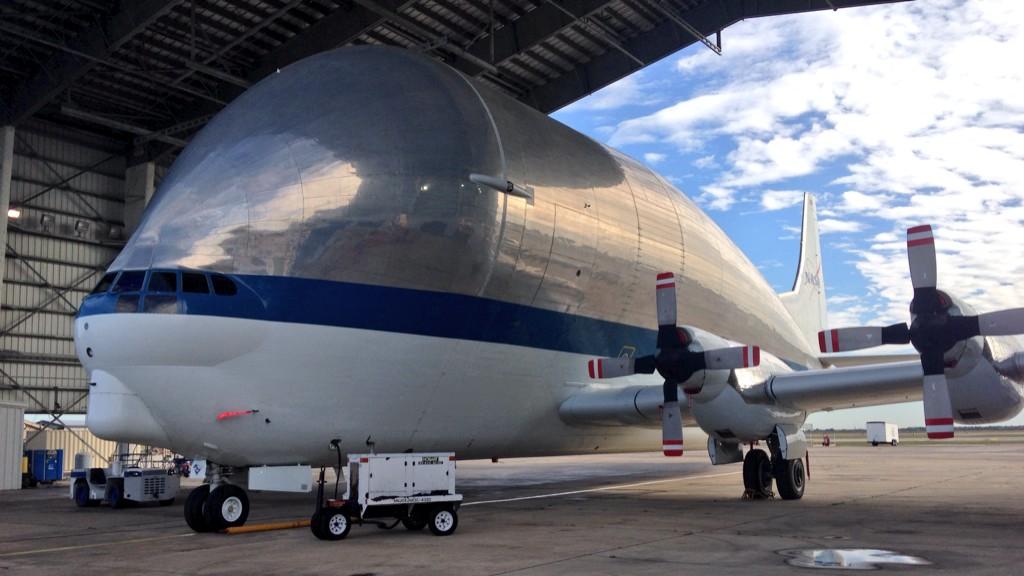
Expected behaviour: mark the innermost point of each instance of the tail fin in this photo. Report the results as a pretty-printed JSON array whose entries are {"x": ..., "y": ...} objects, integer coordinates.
[{"x": 806, "y": 302}]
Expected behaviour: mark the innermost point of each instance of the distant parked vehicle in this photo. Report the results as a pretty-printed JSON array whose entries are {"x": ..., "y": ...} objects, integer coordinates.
[{"x": 883, "y": 433}]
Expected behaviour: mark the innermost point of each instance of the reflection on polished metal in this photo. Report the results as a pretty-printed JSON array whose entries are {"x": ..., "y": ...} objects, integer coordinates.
[
  {"x": 850, "y": 559},
  {"x": 355, "y": 165}
]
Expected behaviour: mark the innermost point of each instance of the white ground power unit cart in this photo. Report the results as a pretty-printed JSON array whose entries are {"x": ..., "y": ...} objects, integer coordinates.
[
  {"x": 415, "y": 489},
  {"x": 126, "y": 481}
]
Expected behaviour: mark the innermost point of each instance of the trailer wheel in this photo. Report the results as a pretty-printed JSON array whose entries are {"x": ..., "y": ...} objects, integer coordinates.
[
  {"x": 894, "y": 443},
  {"x": 315, "y": 524},
  {"x": 334, "y": 525},
  {"x": 82, "y": 499},
  {"x": 443, "y": 521},
  {"x": 195, "y": 508}
]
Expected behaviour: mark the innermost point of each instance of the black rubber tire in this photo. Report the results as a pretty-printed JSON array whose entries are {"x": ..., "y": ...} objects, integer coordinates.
[
  {"x": 315, "y": 525},
  {"x": 414, "y": 524},
  {"x": 82, "y": 499},
  {"x": 874, "y": 442},
  {"x": 115, "y": 495},
  {"x": 791, "y": 479},
  {"x": 443, "y": 521},
  {"x": 167, "y": 502},
  {"x": 757, "y": 473},
  {"x": 334, "y": 524},
  {"x": 214, "y": 510},
  {"x": 894, "y": 443},
  {"x": 195, "y": 508}
]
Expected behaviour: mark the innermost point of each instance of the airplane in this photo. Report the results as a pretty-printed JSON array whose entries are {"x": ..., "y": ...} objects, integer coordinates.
[{"x": 370, "y": 250}]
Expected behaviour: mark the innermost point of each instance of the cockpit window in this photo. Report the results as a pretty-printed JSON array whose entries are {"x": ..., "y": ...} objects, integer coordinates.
[
  {"x": 129, "y": 281},
  {"x": 105, "y": 283},
  {"x": 223, "y": 286},
  {"x": 163, "y": 282},
  {"x": 194, "y": 283}
]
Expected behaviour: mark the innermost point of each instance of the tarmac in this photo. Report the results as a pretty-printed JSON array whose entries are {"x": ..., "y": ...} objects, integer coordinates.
[{"x": 957, "y": 508}]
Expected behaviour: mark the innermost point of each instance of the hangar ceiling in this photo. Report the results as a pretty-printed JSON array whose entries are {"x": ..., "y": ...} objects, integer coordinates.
[
  {"x": 97, "y": 89},
  {"x": 156, "y": 70}
]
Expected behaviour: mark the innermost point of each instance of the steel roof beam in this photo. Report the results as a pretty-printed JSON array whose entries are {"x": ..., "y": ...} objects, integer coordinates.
[
  {"x": 98, "y": 43},
  {"x": 665, "y": 39}
]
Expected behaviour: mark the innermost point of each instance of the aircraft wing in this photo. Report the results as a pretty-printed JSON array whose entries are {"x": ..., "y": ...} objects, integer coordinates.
[
  {"x": 809, "y": 390},
  {"x": 837, "y": 388},
  {"x": 847, "y": 360}
]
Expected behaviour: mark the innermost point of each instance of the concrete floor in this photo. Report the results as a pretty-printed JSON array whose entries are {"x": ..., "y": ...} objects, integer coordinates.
[{"x": 956, "y": 506}]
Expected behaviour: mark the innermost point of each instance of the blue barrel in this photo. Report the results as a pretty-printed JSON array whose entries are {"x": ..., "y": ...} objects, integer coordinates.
[{"x": 46, "y": 465}]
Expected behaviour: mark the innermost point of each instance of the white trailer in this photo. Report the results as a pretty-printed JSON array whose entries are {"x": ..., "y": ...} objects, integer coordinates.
[
  {"x": 417, "y": 490},
  {"x": 883, "y": 433}
]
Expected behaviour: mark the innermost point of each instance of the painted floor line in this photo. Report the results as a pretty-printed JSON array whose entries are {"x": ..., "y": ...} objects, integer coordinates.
[
  {"x": 97, "y": 545},
  {"x": 602, "y": 488}
]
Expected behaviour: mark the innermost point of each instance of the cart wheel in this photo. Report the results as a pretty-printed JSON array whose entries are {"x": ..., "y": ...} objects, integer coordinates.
[
  {"x": 414, "y": 524},
  {"x": 115, "y": 496},
  {"x": 82, "y": 499},
  {"x": 334, "y": 525},
  {"x": 316, "y": 525},
  {"x": 443, "y": 521}
]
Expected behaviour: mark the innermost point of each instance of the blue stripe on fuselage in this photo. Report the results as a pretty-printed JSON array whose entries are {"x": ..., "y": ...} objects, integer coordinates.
[{"x": 406, "y": 311}]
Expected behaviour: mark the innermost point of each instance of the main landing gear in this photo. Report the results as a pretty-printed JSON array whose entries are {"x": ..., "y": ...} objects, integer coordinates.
[
  {"x": 760, "y": 469},
  {"x": 218, "y": 505}
]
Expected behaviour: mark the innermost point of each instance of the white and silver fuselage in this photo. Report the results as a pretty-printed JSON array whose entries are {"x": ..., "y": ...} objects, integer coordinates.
[{"x": 383, "y": 295}]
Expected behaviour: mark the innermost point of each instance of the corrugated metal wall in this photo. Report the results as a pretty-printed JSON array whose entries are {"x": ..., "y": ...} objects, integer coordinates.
[
  {"x": 12, "y": 423},
  {"x": 69, "y": 187},
  {"x": 72, "y": 441}
]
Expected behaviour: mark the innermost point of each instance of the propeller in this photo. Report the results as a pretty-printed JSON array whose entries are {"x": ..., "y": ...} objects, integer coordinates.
[
  {"x": 674, "y": 362},
  {"x": 932, "y": 331}
]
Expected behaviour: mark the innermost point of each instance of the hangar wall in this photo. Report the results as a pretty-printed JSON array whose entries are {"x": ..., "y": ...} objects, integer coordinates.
[
  {"x": 68, "y": 186},
  {"x": 12, "y": 416}
]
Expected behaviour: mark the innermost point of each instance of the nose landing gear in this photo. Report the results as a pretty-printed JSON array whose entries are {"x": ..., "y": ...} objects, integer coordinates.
[{"x": 218, "y": 505}]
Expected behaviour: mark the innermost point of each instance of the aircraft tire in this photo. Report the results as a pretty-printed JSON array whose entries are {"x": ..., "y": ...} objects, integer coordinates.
[
  {"x": 226, "y": 507},
  {"x": 757, "y": 473},
  {"x": 195, "y": 508},
  {"x": 791, "y": 478}
]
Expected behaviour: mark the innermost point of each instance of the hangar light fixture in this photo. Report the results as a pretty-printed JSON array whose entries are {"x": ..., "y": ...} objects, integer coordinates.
[
  {"x": 46, "y": 222},
  {"x": 81, "y": 228},
  {"x": 13, "y": 213}
]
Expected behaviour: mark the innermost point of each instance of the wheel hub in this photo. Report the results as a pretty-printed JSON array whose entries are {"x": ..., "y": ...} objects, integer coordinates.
[
  {"x": 231, "y": 509},
  {"x": 337, "y": 524},
  {"x": 443, "y": 520}
]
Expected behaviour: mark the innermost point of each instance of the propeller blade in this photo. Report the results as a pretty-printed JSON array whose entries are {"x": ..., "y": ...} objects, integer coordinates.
[
  {"x": 732, "y": 358},
  {"x": 665, "y": 293},
  {"x": 611, "y": 367},
  {"x": 921, "y": 253},
  {"x": 1002, "y": 323},
  {"x": 671, "y": 421},
  {"x": 860, "y": 337},
  {"x": 938, "y": 411}
]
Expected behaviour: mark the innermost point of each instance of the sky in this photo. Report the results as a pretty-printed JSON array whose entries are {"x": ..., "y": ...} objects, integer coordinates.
[{"x": 892, "y": 116}]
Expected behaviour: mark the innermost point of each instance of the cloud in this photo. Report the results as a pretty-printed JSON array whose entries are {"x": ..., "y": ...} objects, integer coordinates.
[
  {"x": 705, "y": 162},
  {"x": 901, "y": 109},
  {"x": 654, "y": 157},
  {"x": 778, "y": 199},
  {"x": 831, "y": 225},
  {"x": 630, "y": 91}
]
